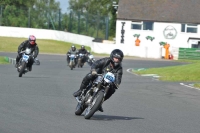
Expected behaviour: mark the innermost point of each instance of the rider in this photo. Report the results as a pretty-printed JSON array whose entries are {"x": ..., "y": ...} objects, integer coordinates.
[
  {"x": 83, "y": 51},
  {"x": 72, "y": 51},
  {"x": 30, "y": 43},
  {"x": 108, "y": 64}
]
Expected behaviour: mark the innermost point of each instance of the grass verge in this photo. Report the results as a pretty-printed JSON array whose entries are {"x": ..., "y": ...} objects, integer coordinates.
[
  {"x": 2, "y": 60},
  {"x": 189, "y": 72},
  {"x": 10, "y": 44}
]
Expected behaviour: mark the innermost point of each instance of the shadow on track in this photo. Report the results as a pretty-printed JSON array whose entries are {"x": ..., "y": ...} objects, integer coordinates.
[{"x": 113, "y": 118}]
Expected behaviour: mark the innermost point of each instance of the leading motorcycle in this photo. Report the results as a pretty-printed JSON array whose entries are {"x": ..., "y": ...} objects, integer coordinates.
[
  {"x": 94, "y": 94},
  {"x": 22, "y": 67}
]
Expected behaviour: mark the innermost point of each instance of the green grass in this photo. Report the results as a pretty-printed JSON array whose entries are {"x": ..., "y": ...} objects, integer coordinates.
[
  {"x": 10, "y": 44},
  {"x": 2, "y": 60},
  {"x": 197, "y": 85},
  {"x": 188, "y": 72}
]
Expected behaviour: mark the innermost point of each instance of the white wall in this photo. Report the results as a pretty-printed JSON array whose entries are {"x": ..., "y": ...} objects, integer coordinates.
[
  {"x": 46, "y": 34},
  {"x": 129, "y": 50}
]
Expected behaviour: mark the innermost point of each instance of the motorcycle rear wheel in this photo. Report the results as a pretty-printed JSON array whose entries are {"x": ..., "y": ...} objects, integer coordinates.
[{"x": 96, "y": 103}]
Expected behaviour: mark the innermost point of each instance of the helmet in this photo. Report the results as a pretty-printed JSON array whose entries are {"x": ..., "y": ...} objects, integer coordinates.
[
  {"x": 32, "y": 39},
  {"x": 73, "y": 48},
  {"x": 82, "y": 47},
  {"x": 116, "y": 53}
]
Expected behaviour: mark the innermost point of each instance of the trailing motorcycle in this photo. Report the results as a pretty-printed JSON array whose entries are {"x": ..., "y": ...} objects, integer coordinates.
[
  {"x": 81, "y": 59},
  {"x": 23, "y": 62},
  {"x": 72, "y": 62},
  {"x": 90, "y": 60},
  {"x": 93, "y": 96}
]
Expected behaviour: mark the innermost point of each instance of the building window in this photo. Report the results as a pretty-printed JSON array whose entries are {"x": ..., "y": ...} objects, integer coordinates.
[
  {"x": 189, "y": 28},
  {"x": 144, "y": 25}
]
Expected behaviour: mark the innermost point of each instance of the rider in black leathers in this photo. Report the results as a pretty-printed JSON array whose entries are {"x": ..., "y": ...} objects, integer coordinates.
[
  {"x": 85, "y": 52},
  {"x": 72, "y": 51},
  {"x": 30, "y": 43},
  {"x": 112, "y": 64}
]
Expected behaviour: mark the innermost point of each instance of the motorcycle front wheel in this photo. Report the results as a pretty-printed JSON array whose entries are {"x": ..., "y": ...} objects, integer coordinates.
[
  {"x": 23, "y": 66},
  {"x": 71, "y": 65},
  {"x": 94, "y": 106}
]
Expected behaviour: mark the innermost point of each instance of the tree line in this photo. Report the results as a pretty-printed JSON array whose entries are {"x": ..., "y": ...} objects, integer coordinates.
[{"x": 88, "y": 17}]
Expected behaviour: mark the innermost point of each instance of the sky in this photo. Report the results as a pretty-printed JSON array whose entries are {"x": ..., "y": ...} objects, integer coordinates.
[{"x": 63, "y": 5}]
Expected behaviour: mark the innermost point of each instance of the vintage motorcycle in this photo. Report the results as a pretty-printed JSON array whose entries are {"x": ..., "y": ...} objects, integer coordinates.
[
  {"x": 23, "y": 62},
  {"x": 90, "y": 60},
  {"x": 81, "y": 60},
  {"x": 72, "y": 63},
  {"x": 94, "y": 94}
]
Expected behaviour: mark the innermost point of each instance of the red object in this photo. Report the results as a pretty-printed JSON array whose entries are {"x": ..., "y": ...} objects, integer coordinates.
[{"x": 171, "y": 57}]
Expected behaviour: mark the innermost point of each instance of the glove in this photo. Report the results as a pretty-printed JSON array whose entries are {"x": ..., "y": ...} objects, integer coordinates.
[{"x": 94, "y": 72}]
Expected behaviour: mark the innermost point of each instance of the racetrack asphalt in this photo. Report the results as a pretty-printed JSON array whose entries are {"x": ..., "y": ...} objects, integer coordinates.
[{"x": 41, "y": 101}]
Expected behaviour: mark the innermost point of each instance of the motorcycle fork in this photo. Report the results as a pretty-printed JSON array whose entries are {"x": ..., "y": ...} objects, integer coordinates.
[{"x": 95, "y": 93}]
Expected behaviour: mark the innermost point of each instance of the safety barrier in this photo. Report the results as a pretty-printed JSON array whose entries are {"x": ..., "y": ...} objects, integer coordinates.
[{"x": 189, "y": 53}]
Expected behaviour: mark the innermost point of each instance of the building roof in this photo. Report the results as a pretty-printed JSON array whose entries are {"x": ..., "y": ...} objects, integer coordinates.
[{"x": 180, "y": 11}]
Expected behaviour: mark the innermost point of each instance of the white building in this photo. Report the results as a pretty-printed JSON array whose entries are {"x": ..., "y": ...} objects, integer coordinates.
[{"x": 176, "y": 22}]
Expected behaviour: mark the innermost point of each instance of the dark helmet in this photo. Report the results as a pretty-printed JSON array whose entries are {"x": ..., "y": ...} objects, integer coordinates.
[
  {"x": 82, "y": 47},
  {"x": 73, "y": 48},
  {"x": 116, "y": 53},
  {"x": 32, "y": 39}
]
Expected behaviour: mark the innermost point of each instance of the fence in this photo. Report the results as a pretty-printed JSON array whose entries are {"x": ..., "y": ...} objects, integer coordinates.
[
  {"x": 189, "y": 53},
  {"x": 75, "y": 22}
]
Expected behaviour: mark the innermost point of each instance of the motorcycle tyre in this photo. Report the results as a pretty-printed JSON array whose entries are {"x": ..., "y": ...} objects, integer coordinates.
[
  {"x": 99, "y": 97},
  {"x": 22, "y": 69}
]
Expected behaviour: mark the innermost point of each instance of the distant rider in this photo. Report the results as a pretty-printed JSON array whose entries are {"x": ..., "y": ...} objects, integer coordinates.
[
  {"x": 108, "y": 64},
  {"x": 30, "y": 43},
  {"x": 72, "y": 51},
  {"x": 85, "y": 52}
]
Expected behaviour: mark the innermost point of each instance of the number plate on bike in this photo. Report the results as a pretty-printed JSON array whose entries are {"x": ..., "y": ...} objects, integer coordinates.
[
  {"x": 25, "y": 57},
  {"x": 109, "y": 77}
]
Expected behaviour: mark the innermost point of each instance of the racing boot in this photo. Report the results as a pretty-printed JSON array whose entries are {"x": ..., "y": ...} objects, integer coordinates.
[
  {"x": 78, "y": 93},
  {"x": 30, "y": 68}
]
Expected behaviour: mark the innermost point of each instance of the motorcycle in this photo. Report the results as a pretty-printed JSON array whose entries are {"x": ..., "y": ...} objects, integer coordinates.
[
  {"x": 72, "y": 61},
  {"x": 22, "y": 66},
  {"x": 94, "y": 94},
  {"x": 81, "y": 60},
  {"x": 36, "y": 61},
  {"x": 90, "y": 60}
]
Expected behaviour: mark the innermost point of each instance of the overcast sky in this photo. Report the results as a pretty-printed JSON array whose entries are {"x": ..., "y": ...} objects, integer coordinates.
[{"x": 63, "y": 5}]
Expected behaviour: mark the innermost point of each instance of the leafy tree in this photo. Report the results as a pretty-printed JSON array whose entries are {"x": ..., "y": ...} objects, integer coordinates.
[{"x": 99, "y": 8}]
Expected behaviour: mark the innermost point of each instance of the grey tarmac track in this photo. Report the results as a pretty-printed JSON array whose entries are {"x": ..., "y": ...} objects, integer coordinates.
[{"x": 42, "y": 102}]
